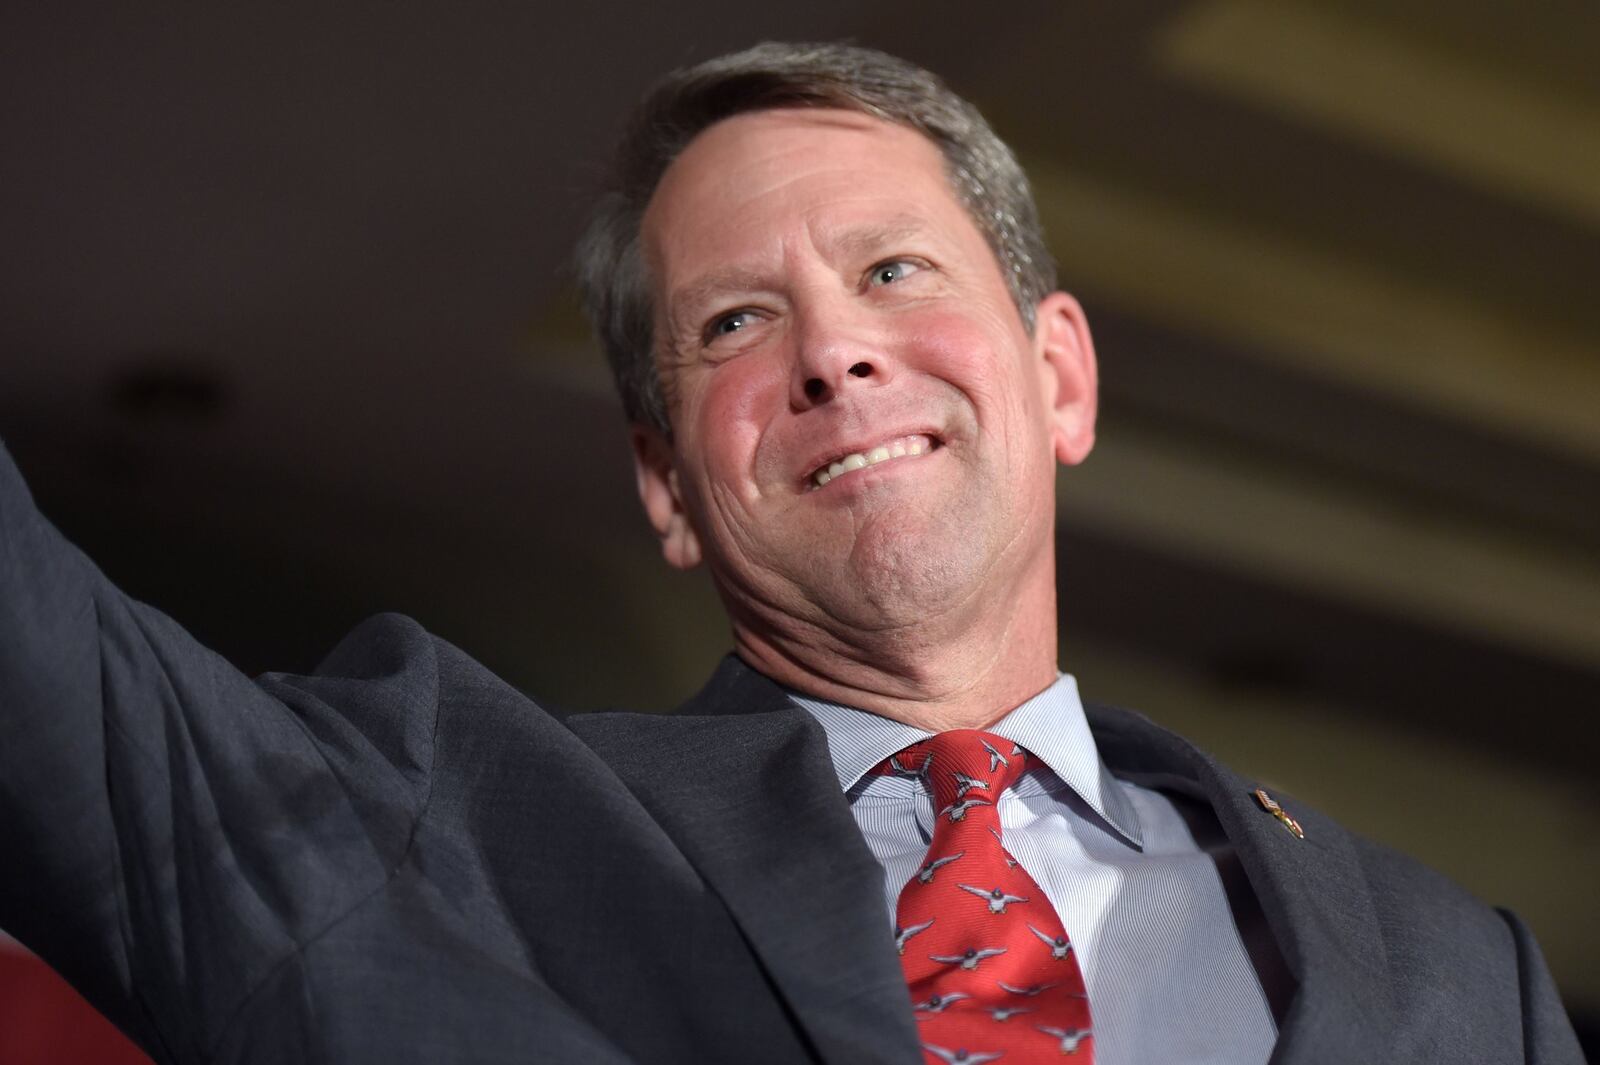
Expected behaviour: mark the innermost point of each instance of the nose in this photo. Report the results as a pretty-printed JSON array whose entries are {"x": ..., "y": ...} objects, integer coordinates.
[
  {"x": 818, "y": 390},
  {"x": 837, "y": 352}
]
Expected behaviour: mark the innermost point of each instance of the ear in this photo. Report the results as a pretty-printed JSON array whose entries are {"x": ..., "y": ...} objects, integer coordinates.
[
  {"x": 1069, "y": 379},
  {"x": 659, "y": 491}
]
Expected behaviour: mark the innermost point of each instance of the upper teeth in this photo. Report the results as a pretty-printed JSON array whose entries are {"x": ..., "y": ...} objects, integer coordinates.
[{"x": 895, "y": 449}]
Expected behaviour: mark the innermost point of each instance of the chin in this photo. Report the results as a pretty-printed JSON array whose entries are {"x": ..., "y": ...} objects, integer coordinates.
[{"x": 901, "y": 571}]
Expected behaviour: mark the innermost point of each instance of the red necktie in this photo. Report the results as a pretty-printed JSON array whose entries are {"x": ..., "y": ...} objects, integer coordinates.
[{"x": 992, "y": 972}]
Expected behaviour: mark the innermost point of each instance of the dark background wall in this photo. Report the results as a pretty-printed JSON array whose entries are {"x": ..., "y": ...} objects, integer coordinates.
[{"x": 286, "y": 339}]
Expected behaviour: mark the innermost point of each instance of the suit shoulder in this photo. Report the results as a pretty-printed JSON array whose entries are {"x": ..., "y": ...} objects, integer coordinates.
[
  {"x": 381, "y": 702},
  {"x": 384, "y": 670},
  {"x": 390, "y": 664},
  {"x": 1416, "y": 905},
  {"x": 393, "y": 707}
]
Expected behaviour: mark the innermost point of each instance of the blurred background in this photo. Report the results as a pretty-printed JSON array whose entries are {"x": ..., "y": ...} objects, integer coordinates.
[{"x": 286, "y": 338}]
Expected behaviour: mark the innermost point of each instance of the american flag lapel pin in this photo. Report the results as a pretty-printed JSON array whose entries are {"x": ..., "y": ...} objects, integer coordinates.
[{"x": 1269, "y": 804}]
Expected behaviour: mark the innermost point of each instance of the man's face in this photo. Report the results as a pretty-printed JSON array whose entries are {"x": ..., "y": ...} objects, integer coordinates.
[{"x": 864, "y": 433}]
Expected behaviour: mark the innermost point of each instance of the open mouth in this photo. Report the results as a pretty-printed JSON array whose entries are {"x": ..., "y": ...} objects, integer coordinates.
[{"x": 899, "y": 448}]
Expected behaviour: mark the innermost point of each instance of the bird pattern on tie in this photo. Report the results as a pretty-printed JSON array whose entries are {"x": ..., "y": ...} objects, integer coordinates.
[{"x": 991, "y": 970}]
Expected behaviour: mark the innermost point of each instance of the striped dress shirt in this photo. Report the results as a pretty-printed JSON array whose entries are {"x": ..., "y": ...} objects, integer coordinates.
[{"x": 1167, "y": 972}]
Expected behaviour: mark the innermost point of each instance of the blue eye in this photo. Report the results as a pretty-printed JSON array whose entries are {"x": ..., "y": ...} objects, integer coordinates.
[
  {"x": 730, "y": 323},
  {"x": 890, "y": 272}
]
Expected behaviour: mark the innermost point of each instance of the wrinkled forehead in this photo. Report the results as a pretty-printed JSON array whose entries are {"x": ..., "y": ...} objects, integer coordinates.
[{"x": 753, "y": 164}]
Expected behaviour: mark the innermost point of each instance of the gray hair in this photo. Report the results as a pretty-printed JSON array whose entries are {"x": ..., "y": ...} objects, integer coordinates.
[{"x": 982, "y": 171}]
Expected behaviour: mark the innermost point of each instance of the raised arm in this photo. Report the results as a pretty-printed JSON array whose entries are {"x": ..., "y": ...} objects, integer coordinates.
[{"x": 170, "y": 830}]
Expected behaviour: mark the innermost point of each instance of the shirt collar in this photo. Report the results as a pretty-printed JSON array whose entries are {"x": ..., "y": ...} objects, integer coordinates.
[{"x": 1050, "y": 725}]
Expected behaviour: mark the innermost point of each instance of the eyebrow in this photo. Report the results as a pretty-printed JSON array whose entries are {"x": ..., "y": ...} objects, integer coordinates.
[
  {"x": 869, "y": 238},
  {"x": 709, "y": 286},
  {"x": 689, "y": 300}
]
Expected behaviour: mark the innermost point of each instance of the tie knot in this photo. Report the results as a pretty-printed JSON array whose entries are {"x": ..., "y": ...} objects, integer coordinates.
[{"x": 961, "y": 766}]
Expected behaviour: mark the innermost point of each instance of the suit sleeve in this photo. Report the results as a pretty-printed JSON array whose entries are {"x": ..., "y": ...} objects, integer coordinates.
[
  {"x": 170, "y": 830},
  {"x": 1548, "y": 1038}
]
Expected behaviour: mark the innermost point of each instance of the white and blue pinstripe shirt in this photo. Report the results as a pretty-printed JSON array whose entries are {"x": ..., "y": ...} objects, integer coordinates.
[{"x": 1168, "y": 976}]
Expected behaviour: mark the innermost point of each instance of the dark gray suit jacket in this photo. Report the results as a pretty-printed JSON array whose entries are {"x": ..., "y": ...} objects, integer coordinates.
[{"x": 401, "y": 858}]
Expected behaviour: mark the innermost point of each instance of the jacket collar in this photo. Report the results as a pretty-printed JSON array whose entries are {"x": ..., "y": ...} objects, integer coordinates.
[
  {"x": 739, "y": 777},
  {"x": 1312, "y": 891}
]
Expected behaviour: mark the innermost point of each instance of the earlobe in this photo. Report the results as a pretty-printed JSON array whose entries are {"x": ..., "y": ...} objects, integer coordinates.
[
  {"x": 662, "y": 497},
  {"x": 1069, "y": 376}
]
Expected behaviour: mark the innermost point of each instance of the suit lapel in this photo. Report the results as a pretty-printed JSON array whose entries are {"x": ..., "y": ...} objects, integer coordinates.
[
  {"x": 1312, "y": 892},
  {"x": 741, "y": 780}
]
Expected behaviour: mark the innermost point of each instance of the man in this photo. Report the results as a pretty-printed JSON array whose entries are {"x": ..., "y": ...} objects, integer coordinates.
[{"x": 885, "y": 831}]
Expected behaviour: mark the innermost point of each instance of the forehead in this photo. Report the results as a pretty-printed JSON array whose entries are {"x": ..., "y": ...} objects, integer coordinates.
[{"x": 745, "y": 180}]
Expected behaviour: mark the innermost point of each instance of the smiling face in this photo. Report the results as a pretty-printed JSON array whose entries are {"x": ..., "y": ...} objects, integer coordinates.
[{"x": 864, "y": 433}]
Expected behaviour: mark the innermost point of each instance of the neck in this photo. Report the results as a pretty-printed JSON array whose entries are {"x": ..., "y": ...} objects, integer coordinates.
[{"x": 966, "y": 670}]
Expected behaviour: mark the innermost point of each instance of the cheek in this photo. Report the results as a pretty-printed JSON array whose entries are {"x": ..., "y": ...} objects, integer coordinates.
[
  {"x": 986, "y": 356},
  {"x": 977, "y": 353},
  {"x": 731, "y": 409}
]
